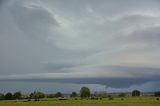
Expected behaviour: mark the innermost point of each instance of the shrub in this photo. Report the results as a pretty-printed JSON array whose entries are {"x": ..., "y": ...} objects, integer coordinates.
[
  {"x": 2, "y": 96},
  {"x": 85, "y": 92},
  {"x": 74, "y": 94},
  {"x": 8, "y": 96},
  {"x": 136, "y": 93},
  {"x": 37, "y": 95},
  {"x": 157, "y": 93},
  {"x": 58, "y": 94},
  {"x": 17, "y": 95}
]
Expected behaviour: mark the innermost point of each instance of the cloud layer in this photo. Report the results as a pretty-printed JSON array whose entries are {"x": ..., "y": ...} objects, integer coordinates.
[{"x": 81, "y": 42}]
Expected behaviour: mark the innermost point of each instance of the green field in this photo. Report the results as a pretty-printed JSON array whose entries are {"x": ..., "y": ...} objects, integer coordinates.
[{"x": 138, "y": 101}]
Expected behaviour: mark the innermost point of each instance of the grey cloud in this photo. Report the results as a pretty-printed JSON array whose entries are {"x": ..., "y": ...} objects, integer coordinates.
[
  {"x": 140, "y": 75},
  {"x": 149, "y": 35},
  {"x": 33, "y": 20},
  {"x": 145, "y": 87},
  {"x": 58, "y": 67},
  {"x": 112, "y": 43},
  {"x": 135, "y": 71},
  {"x": 1, "y": 2},
  {"x": 109, "y": 82}
]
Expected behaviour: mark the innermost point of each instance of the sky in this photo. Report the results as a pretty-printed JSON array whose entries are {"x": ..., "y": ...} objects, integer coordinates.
[{"x": 62, "y": 45}]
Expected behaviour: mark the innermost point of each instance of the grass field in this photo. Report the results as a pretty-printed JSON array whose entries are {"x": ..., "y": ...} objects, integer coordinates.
[{"x": 138, "y": 101}]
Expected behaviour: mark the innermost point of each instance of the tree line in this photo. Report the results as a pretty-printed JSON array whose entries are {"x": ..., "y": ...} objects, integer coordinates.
[
  {"x": 84, "y": 93},
  {"x": 10, "y": 96}
]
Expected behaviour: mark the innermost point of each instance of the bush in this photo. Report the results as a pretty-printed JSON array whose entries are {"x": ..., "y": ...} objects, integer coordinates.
[
  {"x": 85, "y": 92},
  {"x": 58, "y": 94},
  {"x": 136, "y": 93},
  {"x": 37, "y": 95},
  {"x": 8, "y": 96},
  {"x": 157, "y": 93},
  {"x": 2, "y": 96},
  {"x": 74, "y": 94},
  {"x": 17, "y": 95}
]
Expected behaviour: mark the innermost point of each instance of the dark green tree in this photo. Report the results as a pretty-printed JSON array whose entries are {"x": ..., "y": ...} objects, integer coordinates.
[
  {"x": 157, "y": 94},
  {"x": 58, "y": 94},
  {"x": 17, "y": 95},
  {"x": 136, "y": 93},
  {"x": 8, "y": 96},
  {"x": 73, "y": 94},
  {"x": 85, "y": 92},
  {"x": 2, "y": 96}
]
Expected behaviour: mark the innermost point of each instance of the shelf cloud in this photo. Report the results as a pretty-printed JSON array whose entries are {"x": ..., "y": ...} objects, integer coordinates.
[{"x": 106, "y": 44}]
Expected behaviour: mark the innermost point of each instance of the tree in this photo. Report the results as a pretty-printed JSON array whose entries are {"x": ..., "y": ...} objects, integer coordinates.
[
  {"x": 157, "y": 93},
  {"x": 73, "y": 94},
  {"x": 58, "y": 94},
  {"x": 85, "y": 92},
  {"x": 136, "y": 93},
  {"x": 8, "y": 96},
  {"x": 17, "y": 95},
  {"x": 2, "y": 96},
  {"x": 37, "y": 95}
]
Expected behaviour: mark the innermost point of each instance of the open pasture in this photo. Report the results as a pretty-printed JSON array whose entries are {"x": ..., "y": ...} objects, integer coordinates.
[{"x": 128, "y": 101}]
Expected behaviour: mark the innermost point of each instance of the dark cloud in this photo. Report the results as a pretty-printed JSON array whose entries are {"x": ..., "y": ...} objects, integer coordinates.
[
  {"x": 141, "y": 75},
  {"x": 109, "y": 82}
]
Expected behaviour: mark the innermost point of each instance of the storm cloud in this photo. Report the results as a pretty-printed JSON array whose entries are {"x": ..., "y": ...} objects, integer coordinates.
[{"x": 103, "y": 44}]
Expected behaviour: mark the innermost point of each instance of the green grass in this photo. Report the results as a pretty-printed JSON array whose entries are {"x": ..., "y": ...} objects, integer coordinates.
[{"x": 137, "y": 101}]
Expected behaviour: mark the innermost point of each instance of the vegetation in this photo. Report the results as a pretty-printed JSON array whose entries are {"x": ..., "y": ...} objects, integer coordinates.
[
  {"x": 85, "y": 92},
  {"x": 37, "y": 95},
  {"x": 128, "y": 101},
  {"x": 50, "y": 96},
  {"x": 17, "y": 95},
  {"x": 110, "y": 97},
  {"x": 157, "y": 94},
  {"x": 73, "y": 94},
  {"x": 2, "y": 97},
  {"x": 95, "y": 99},
  {"x": 8, "y": 96},
  {"x": 58, "y": 94},
  {"x": 122, "y": 95},
  {"x": 136, "y": 93},
  {"x": 100, "y": 94}
]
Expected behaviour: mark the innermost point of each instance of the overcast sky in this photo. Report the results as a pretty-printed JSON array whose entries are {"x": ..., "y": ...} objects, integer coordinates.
[{"x": 62, "y": 45}]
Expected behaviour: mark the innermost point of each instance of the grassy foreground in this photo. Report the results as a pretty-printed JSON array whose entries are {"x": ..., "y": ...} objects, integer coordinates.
[{"x": 138, "y": 101}]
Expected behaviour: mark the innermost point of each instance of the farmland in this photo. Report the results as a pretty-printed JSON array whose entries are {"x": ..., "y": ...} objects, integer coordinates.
[{"x": 127, "y": 101}]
